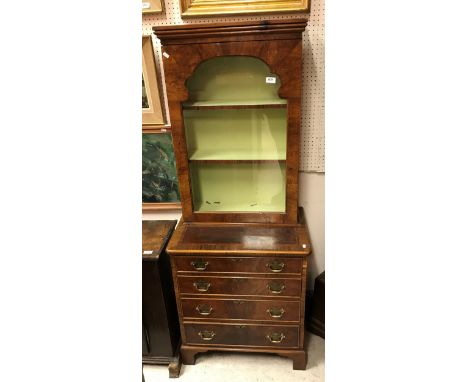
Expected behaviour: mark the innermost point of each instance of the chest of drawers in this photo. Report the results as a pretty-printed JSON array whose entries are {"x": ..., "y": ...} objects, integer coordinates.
[{"x": 241, "y": 288}]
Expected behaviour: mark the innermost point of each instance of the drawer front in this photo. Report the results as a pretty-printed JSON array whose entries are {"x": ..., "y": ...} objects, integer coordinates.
[
  {"x": 264, "y": 310},
  {"x": 202, "y": 264},
  {"x": 249, "y": 335},
  {"x": 246, "y": 286}
]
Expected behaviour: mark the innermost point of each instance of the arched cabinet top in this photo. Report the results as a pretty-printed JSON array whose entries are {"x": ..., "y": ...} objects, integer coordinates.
[
  {"x": 277, "y": 43},
  {"x": 233, "y": 78}
]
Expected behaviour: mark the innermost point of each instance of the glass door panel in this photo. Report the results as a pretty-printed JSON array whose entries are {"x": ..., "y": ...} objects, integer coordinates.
[
  {"x": 236, "y": 134},
  {"x": 238, "y": 187},
  {"x": 237, "y": 79}
]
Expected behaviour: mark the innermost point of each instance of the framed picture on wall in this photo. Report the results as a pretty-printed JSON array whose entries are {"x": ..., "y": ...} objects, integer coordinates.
[
  {"x": 197, "y": 8},
  {"x": 152, "y": 6},
  {"x": 151, "y": 96},
  {"x": 160, "y": 187}
]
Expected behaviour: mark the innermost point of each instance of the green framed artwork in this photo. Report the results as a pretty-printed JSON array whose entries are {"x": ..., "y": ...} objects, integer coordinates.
[{"x": 160, "y": 187}]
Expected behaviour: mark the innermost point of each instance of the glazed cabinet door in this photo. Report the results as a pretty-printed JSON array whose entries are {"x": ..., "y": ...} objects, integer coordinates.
[{"x": 235, "y": 102}]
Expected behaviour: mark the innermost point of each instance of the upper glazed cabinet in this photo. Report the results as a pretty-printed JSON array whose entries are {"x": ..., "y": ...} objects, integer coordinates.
[{"x": 234, "y": 93}]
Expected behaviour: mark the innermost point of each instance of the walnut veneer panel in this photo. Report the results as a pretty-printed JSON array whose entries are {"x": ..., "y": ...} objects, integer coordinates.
[
  {"x": 239, "y": 286},
  {"x": 210, "y": 239},
  {"x": 201, "y": 265},
  {"x": 242, "y": 334},
  {"x": 241, "y": 309}
]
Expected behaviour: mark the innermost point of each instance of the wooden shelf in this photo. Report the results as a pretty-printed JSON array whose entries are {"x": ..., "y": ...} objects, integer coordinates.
[
  {"x": 237, "y": 155},
  {"x": 238, "y": 207},
  {"x": 239, "y": 187},
  {"x": 232, "y": 161},
  {"x": 257, "y": 104}
]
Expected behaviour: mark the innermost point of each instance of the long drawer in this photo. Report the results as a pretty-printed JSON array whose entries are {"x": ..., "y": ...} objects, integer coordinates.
[
  {"x": 247, "y": 335},
  {"x": 245, "y": 286},
  {"x": 238, "y": 264},
  {"x": 238, "y": 309}
]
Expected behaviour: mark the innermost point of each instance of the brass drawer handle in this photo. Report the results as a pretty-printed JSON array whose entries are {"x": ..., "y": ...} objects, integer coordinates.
[
  {"x": 276, "y": 266},
  {"x": 202, "y": 286},
  {"x": 276, "y": 338},
  {"x": 204, "y": 310},
  {"x": 276, "y": 287},
  {"x": 240, "y": 326},
  {"x": 275, "y": 312},
  {"x": 199, "y": 264},
  {"x": 206, "y": 335},
  {"x": 238, "y": 302}
]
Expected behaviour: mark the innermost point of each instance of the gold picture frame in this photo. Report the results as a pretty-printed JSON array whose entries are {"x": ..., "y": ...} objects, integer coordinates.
[
  {"x": 198, "y": 8},
  {"x": 152, "y": 112},
  {"x": 152, "y": 6}
]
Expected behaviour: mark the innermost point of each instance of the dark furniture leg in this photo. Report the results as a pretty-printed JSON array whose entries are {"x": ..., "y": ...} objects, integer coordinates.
[
  {"x": 299, "y": 360},
  {"x": 174, "y": 367},
  {"x": 188, "y": 355}
]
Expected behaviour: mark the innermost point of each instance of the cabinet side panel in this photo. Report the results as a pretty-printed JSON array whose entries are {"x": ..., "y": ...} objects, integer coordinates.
[
  {"x": 154, "y": 312},
  {"x": 169, "y": 299}
]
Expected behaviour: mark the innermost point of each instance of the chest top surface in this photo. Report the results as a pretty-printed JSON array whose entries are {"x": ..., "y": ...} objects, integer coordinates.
[
  {"x": 258, "y": 239},
  {"x": 155, "y": 234}
]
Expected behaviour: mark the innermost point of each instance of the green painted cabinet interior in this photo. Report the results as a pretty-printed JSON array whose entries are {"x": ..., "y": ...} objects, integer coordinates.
[{"x": 236, "y": 135}]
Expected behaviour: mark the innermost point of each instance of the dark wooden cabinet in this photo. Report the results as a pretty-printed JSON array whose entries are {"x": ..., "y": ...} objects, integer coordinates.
[
  {"x": 315, "y": 307},
  {"x": 160, "y": 334},
  {"x": 239, "y": 253}
]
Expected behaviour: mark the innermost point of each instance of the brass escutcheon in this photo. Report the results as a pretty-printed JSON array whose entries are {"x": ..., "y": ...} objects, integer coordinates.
[{"x": 238, "y": 302}]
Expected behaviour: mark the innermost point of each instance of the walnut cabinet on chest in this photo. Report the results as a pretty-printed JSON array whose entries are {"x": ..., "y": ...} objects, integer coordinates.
[{"x": 239, "y": 252}]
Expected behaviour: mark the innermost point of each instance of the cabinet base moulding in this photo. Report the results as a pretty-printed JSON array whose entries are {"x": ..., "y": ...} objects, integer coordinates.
[{"x": 299, "y": 357}]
